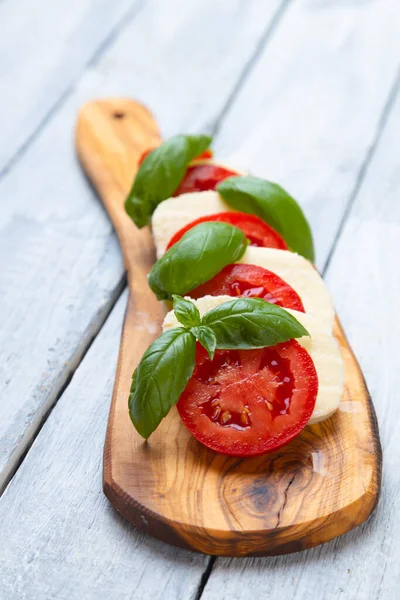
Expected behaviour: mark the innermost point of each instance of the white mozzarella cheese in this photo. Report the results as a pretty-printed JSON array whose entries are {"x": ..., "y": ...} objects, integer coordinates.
[
  {"x": 321, "y": 346},
  {"x": 324, "y": 350},
  {"x": 173, "y": 214},
  {"x": 300, "y": 274}
]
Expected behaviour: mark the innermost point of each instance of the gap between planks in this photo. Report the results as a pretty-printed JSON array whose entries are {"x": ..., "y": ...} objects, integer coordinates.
[
  {"x": 387, "y": 109},
  {"x": 205, "y": 577}
]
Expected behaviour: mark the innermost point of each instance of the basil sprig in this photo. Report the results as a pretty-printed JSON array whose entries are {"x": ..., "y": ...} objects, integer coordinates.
[
  {"x": 245, "y": 323},
  {"x": 169, "y": 362},
  {"x": 160, "y": 174},
  {"x": 199, "y": 255},
  {"x": 271, "y": 203}
]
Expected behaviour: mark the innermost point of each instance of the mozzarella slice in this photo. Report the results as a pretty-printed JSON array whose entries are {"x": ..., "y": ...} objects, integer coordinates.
[
  {"x": 321, "y": 346},
  {"x": 173, "y": 214},
  {"x": 300, "y": 274}
]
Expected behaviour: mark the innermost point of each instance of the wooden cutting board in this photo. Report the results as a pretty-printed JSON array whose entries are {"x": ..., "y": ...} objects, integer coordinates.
[{"x": 324, "y": 483}]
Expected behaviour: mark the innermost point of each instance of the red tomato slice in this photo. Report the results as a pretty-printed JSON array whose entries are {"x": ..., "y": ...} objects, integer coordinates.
[
  {"x": 249, "y": 402},
  {"x": 249, "y": 281},
  {"x": 207, "y": 154},
  {"x": 202, "y": 177},
  {"x": 255, "y": 229}
]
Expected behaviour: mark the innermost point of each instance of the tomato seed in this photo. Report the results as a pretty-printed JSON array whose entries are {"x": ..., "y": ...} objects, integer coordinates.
[
  {"x": 216, "y": 413},
  {"x": 225, "y": 417}
]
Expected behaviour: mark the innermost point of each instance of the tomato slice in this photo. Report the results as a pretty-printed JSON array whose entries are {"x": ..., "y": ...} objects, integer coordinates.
[
  {"x": 255, "y": 229},
  {"x": 249, "y": 402},
  {"x": 207, "y": 154},
  {"x": 202, "y": 177},
  {"x": 250, "y": 281}
]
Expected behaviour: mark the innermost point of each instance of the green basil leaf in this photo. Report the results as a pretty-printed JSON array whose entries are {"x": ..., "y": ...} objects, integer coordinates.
[
  {"x": 186, "y": 312},
  {"x": 160, "y": 378},
  {"x": 199, "y": 255},
  {"x": 271, "y": 203},
  {"x": 160, "y": 174},
  {"x": 206, "y": 337},
  {"x": 248, "y": 323}
]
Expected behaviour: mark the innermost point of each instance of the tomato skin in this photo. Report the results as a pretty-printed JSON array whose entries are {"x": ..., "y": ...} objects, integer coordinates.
[
  {"x": 202, "y": 177},
  {"x": 250, "y": 281},
  {"x": 255, "y": 229},
  {"x": 250, "y": 386},
  {"x": 206, "y": 155},
  {"x": 144, "y": 154}
]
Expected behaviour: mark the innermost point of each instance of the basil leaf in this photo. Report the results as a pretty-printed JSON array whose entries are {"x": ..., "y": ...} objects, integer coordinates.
[
  {"x": 199, "y": 255},
  {"x": 206, "y": 337},
  {"x": 160, "y": 378},
  {"x": 160, "y": 174},
  {"x": 271, "y": 203},
  {"x": 186, "y": 312},
  {"x": 251, "y": 323}
]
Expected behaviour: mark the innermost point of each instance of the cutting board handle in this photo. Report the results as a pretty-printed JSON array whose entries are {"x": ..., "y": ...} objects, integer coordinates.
[{"x": 111, "y": 135}]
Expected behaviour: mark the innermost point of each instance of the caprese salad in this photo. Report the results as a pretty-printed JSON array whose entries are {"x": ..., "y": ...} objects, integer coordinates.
[{"x": 247, "y": 351}]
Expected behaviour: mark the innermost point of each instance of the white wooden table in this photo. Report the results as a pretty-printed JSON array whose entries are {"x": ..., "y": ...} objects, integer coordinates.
[{"x": 305, "y": 92}]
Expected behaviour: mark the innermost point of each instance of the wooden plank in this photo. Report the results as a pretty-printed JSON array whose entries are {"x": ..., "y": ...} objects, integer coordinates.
[
  {"x": 310, "y": 111},
  {"x": 363, "y": 276},
  {"x": 59, "y": 259},
  {"x": 61, "y": 538},
  {"x": 44, "y": 45}
]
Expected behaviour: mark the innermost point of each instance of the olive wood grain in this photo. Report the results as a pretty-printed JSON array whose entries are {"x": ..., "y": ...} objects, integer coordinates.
[{"x": 323, "y": 484}]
